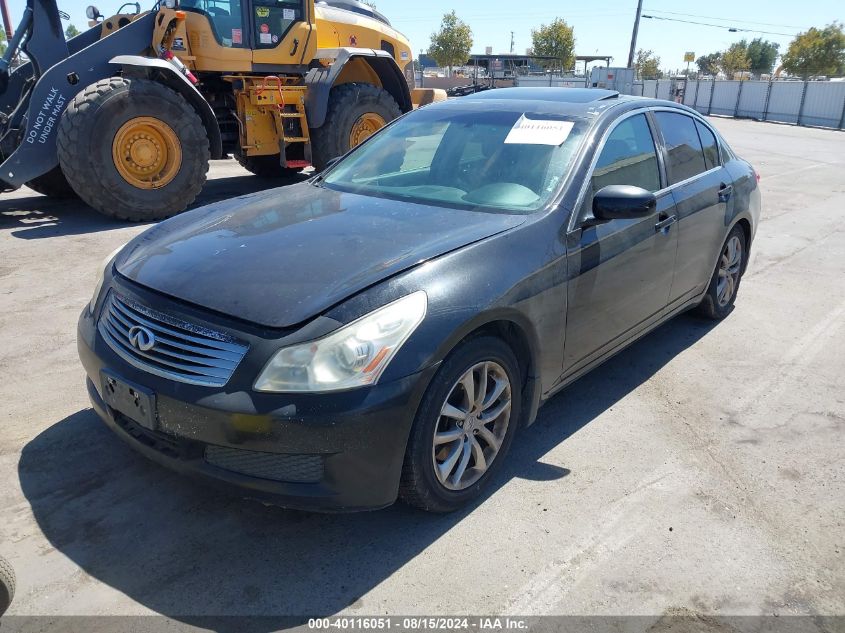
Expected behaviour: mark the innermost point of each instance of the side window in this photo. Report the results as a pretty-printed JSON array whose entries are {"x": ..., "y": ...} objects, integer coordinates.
[
  {"x": 628, "y": 157},
  {"x": 225, "y": 18},
  {"x": 686, "y": 157},
  {"x": 711, "y": 147},
  {"x": 273, "y": 18}
]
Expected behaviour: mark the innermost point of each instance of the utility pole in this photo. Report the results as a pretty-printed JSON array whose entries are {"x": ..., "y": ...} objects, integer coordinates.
[
  {"x": 511, "y": 42},
  {"x": 634, "y": 34}
]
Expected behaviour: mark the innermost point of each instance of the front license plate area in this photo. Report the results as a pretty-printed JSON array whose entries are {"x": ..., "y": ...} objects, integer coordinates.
[{"x": 134, "y": 401}]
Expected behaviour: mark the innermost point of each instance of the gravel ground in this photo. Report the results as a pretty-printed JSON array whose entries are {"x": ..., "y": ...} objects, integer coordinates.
[{"x": 700, "y": 471}]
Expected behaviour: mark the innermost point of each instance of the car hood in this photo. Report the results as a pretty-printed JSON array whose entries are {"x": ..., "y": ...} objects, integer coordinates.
[{"x": 282, "y": 256}]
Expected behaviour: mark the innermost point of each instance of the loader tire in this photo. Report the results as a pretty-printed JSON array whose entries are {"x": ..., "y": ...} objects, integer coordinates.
[
  {"x": 265, "y": 166},
  {"x": 52, "y": 184},
  {"x": 355, "y": 112},
  {"x": 133, "y": 149},
  {"x": 7, "y": 584}
]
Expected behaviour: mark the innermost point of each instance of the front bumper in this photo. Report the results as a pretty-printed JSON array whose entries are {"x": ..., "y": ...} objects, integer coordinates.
[{"x": 333, "y": 452}]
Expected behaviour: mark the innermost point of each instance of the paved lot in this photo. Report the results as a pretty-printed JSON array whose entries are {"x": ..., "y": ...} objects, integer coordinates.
[{"x": 701, "y": 471}]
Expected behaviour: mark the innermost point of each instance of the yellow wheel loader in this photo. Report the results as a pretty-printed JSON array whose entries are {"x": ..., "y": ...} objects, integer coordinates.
[{"x": 128, "y": 114}]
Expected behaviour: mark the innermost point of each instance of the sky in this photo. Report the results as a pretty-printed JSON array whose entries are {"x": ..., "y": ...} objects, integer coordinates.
[{"x": 602, "y": 28}]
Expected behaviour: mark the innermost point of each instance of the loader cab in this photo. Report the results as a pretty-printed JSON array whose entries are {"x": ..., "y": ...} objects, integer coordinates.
[
  {"x": 226, "y": 18},
  {"x": 278, "y": 31}
]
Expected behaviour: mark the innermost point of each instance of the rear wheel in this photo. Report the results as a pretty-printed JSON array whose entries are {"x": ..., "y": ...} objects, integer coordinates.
[
  {"x": 52, "y": 184},
  {"x": 356, "y": 112},
  {"x": 133, "y": 149},
  {"x": 464, "y": 426},
  {"x": 721, "y": 293},
  {"x": 265, "y": 166}
]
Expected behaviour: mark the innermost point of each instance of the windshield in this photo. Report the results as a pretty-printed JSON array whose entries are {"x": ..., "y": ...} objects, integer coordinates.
[{"x": 494, "y": 160}]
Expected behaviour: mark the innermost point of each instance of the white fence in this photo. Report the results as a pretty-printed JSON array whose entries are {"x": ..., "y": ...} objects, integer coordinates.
[{"x": 816, "y": 103}]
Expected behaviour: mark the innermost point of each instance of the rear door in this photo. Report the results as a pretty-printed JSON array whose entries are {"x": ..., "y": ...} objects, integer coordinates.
[
  {"x": 620, "y": 270},
  {"x": 701, "y": 188}
]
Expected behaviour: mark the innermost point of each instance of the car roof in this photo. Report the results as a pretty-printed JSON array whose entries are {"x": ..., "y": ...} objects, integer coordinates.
[
  {"x": 555, "y": 95},
  {"x": 585, "y": 103}
]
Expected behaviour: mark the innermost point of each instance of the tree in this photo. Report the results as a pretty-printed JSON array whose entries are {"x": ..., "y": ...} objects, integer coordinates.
[
  {"x": 734, "y": 60},
  {"x": 647, "y": 65},
  {"x": 556, "y": 40},
  {"x": 817, "y": 52},
  {"x": 451, "y": 45},
  {"x": 71, "y": 31},
  {"x": 3, "y": 44},
  {"x": 762, "y": 55},
  {"x": 708, "y": 64}
]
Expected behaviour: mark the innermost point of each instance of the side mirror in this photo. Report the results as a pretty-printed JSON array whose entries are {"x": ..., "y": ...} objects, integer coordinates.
[
  {"x": 623, "y": 202},
  {"x": 92, "y": 12}
]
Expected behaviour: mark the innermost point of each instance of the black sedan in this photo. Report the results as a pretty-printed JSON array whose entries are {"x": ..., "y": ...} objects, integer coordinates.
[{"x": 386, "y": 328}]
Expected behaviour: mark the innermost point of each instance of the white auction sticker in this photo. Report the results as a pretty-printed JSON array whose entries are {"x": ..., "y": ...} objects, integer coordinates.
[
  {"x": 288, "y": 14},
  {"x": 539, "y": 132}
]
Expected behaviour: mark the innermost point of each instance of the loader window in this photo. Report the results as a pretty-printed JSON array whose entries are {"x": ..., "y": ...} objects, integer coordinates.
[
  {"x": 272, "y": 20},
  {"x": 225, "y": 17}
]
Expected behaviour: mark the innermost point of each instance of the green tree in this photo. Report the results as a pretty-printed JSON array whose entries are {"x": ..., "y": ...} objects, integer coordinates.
[
  {"x": 762, "y": 55},
  {"x": 451, "y": 45},
  {"x": 71, "y": 31},
  {"x": 3, "y": 44},
  {"x": 647, "y": 65},
  {"x": 708, "y": 64},
  {"x": 554, "y": 40},
  {"x": 817, "y": 52},
  {"x": 735, "y": 59}
]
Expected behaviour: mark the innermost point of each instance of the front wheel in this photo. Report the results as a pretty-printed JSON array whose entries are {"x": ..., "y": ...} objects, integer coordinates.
[
  {"x": 133, "y": 149},
  {"x": 464, "y": 426},
  {"x": 724, "y": 284}
]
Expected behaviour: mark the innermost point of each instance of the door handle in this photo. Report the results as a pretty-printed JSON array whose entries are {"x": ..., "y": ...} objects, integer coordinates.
[
  {"x": 295, "y": 47},
  {"x": 664, "y": 222},
  {"x": 725, "y": 192}
]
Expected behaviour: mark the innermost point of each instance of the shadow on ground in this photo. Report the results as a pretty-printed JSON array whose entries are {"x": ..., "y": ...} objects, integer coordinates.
[
  {"x": 184, "y": 550},
  {"x": 38, "y": 217}
]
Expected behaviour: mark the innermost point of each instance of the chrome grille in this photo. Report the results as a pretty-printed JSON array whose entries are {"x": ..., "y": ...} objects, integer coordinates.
[{"x": 180, "y": 351}]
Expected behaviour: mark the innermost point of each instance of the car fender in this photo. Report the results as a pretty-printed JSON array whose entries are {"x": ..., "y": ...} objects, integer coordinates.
[{"x": 464, "y": 299}]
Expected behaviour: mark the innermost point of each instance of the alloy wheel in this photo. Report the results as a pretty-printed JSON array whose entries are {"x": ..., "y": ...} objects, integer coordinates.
[
  {"x": 472, "y": 425},
  {"x": 729, "y": 268}
]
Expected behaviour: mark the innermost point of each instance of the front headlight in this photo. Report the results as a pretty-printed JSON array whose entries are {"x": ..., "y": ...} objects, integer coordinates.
[
  {"x": 101, "y": 276},
  {"x": 352, "y": 356}
]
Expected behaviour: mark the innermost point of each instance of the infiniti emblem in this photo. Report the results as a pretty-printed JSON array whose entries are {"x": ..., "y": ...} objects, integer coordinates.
[{"x": 141, "y": 338}]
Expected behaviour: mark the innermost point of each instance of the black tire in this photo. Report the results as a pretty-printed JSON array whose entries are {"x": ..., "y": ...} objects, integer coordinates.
[
  {"x": 52, "y": 184},
  {"x": 265, "y": 166},
  {"x": 85, "y": 137},
  {"x": 710, "y": 305},
  {"x": 419, "y": 485},
  {"x": 347, "y": 103},
  {"x": 7, "y": 585}
]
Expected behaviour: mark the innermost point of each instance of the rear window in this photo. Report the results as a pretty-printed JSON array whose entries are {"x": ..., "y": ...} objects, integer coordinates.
[{"x": 686, "y": 156}]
